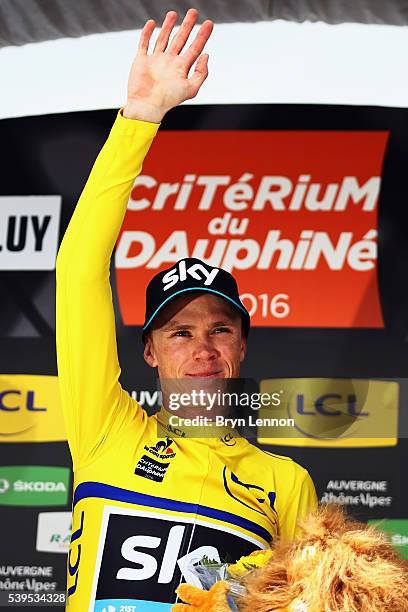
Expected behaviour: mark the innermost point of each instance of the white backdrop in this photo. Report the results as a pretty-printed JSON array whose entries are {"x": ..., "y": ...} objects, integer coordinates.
[{"x": 265, "y": 62}]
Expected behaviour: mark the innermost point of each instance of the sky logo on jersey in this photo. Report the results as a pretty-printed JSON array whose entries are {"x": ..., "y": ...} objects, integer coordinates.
[
  {"x": 332, "y": 412},
  {"x": 30, "y": 409},
  {"x": 33, "y": 485},
  {"x": 144, "y": 555}
]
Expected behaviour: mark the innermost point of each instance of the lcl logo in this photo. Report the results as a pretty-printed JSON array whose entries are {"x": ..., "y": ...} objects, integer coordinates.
[
  {"x": 27, "y": 402},
  {"x": 328, "y": 405}
]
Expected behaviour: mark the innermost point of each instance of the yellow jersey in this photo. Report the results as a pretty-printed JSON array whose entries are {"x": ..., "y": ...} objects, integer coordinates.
[{"x": 148, "y": 501}]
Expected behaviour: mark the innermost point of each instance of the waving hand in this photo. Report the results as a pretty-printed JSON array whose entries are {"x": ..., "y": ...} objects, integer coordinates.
[{"x": 160, "y": 80}]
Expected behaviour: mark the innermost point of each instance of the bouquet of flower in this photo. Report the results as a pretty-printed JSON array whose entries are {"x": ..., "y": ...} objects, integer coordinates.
[{"x": 216, "y": 582}]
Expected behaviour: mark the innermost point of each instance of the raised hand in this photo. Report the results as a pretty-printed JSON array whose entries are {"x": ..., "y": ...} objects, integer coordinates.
[{"x": 159, "y": 81}]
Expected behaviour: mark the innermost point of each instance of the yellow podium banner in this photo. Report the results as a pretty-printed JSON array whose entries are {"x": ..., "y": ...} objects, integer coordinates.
[
  {"x": 30, "y": 409},
  {"x": 331, "y": 412}
]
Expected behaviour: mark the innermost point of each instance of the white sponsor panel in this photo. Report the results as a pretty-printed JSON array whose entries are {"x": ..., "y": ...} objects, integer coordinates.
[
  {"x": 370, "y": 493},
  {"x": 29, "y": 232},
  {"x": 54, "y": 532}
]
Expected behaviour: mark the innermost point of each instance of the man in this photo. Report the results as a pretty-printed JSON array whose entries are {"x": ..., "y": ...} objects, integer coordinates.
[{"x": 149, "y": 500}]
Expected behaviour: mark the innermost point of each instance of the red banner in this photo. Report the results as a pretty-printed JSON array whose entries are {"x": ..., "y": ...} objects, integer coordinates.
[{"x": 292, "y": 214}]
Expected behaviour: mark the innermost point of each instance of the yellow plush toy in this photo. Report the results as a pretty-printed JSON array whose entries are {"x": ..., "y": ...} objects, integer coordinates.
[
  {"x": 213, "y": 600},
  {"x": 337, "y": 565}
]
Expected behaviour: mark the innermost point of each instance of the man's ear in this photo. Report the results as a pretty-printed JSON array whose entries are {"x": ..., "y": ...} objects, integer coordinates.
[
  {"x": 149, "y": 353},
  {"x": 243, "y": 348}
]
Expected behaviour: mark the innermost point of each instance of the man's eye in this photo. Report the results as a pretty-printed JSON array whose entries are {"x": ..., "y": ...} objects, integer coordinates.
[
  {"x": 222, "y": 329},
  {"x": 181, "y": 332}
]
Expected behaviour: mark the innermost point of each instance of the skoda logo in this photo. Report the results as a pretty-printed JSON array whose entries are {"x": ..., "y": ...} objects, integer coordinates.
[{"x": 4, "y": 485}]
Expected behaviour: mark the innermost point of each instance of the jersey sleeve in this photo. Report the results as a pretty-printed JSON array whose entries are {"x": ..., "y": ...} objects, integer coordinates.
[
  {"x": 302, "y": 501},
  {"x": 94, "y": 404}
]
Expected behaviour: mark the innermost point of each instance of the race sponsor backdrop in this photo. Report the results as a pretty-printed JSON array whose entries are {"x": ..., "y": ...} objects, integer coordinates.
[{"x": 306, "y": 206}]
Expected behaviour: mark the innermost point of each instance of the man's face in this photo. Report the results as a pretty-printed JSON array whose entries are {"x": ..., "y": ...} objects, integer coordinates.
[{"x": 196, "y": 336}]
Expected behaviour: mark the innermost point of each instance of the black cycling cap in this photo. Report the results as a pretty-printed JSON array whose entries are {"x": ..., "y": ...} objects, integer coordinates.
[{"x": 188, "y": 275}]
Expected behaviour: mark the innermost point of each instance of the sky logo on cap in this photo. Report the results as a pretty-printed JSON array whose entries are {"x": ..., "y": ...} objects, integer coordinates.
[{"x": 180, "y": 272}]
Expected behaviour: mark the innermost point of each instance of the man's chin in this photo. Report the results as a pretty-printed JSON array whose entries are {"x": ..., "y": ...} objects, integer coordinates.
[{"x": 190, "y": 384}]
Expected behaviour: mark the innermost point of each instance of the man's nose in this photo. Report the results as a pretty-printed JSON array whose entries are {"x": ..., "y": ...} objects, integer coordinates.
[{"x": 204, "y": 349}]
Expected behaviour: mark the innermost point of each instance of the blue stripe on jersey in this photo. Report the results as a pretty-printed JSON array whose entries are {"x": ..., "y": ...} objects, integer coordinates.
[
  {"x": 103, "y": 605},
  {"x": 104, "y": 491}
]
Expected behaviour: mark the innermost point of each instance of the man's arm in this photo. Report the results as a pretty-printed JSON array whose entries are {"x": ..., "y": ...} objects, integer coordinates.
[
  {"x": 302, "y": 501},
  {"x": 95, "y": 405}
]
